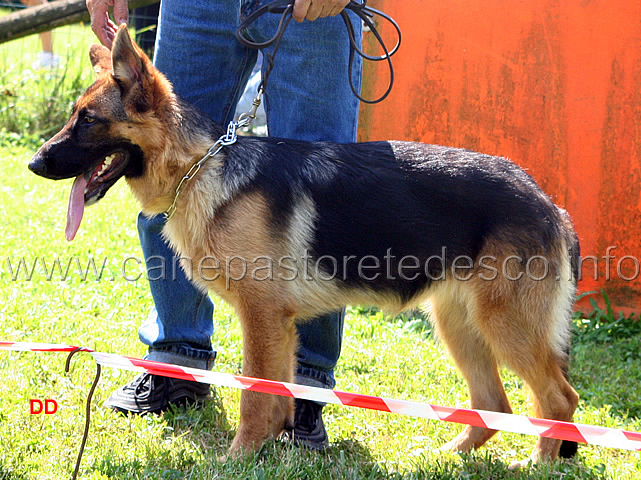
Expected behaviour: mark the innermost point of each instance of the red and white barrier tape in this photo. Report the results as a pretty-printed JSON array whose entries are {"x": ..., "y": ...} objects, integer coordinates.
[{"x": 576, "y": 432}]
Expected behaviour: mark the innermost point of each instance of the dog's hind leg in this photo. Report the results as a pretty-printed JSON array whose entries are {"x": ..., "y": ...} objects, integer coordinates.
[
  {"x": 542, "y": 367},
  {"x": 453, "y": 318},
  {"x": 527, "y": 329},
  {"x": 553, "y": 396},
  {"x": 269, "y": 343}
]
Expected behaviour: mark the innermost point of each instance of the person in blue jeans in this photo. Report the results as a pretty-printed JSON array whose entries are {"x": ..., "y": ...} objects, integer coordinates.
[{"x": 308, "y": 98}]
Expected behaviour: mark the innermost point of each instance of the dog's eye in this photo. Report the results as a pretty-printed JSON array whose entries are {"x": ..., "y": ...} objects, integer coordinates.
[{"x": 89, "y": 119}]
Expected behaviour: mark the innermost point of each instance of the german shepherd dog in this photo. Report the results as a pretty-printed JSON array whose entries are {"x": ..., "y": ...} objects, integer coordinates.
[{"x": 391, "y": 224}]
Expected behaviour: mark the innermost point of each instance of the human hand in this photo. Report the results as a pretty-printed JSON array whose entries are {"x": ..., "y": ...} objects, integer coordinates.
[
  {"x": 313, "y": 9},
  {"x": 104, "y": 28}
]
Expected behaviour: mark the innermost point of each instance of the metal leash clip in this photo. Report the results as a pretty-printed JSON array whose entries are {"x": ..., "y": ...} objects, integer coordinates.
[{"x": 245, "y": 119}]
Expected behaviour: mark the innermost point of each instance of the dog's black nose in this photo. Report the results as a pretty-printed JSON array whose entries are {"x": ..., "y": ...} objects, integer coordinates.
[{"x": 38, "y": 165}]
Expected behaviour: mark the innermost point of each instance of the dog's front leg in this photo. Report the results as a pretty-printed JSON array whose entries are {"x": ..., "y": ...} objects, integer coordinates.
[{"x": 269, "y": 346}]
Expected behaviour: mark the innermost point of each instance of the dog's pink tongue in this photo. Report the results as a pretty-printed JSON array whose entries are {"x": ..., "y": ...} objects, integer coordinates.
[{"x": 76, "y": 206}]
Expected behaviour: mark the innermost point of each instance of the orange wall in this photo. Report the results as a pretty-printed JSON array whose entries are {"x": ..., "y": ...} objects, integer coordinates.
[{"x": 553, "y": 85}]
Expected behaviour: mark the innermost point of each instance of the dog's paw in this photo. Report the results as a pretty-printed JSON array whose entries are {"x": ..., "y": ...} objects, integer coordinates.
[
  {"x": 520, "y": 465},
  {"x": 459, "y": 444},
  {"x": 233, "y": 454},
  {"x": 241, "y": 447}
]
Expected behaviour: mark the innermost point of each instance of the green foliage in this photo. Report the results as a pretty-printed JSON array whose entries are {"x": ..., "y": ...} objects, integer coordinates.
[
  {"x": 35, "y": 103},
  {"x": 601, "y": 324},
  {"x": 608, "y": 346}
]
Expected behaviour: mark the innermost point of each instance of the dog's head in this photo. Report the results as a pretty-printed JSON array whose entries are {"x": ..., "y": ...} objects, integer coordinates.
[{"x": 109, "y": 128}]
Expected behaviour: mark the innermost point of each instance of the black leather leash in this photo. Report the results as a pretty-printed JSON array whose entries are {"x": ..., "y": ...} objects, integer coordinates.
[{"x": 285, "y": 8}]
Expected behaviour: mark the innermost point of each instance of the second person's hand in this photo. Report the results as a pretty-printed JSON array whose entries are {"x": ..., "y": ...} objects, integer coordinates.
[{"x": 104, "y": 28}]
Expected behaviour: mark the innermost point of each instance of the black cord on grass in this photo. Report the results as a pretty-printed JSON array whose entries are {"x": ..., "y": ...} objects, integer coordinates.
[{"x": 88, "y": 409}]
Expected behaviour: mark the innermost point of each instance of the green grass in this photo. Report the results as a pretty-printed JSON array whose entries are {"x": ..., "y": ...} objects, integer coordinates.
[{"x": 397, "y": 358}]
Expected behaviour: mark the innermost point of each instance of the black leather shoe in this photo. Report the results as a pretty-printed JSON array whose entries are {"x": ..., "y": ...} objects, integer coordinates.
[
  {"x": 154, "y": 394},
  {"x": 309, "y": 429}
]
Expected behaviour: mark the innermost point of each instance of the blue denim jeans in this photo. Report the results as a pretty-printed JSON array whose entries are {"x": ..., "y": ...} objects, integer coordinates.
[{"x": 307, "y": 98}]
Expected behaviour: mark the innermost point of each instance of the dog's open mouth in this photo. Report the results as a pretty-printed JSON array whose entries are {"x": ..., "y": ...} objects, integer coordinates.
[{"x": 91, "y": 186}]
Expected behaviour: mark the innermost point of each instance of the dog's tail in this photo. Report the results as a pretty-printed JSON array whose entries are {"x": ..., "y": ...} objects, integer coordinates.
[
  {"x": 572, "y": 242},
  {"x": 568, "y": 448}
]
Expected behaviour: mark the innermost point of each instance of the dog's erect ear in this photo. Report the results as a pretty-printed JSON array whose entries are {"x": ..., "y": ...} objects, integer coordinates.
[
  {"x": 131, "y": 69},
  {"x": 100, "y": 57}
]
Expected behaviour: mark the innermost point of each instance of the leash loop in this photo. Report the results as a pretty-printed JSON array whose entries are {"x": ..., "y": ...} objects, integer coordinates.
[{"x": 360, "y": 9}]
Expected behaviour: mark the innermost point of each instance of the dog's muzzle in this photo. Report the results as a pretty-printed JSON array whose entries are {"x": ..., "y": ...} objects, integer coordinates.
[{"x": 38, "y": 165}]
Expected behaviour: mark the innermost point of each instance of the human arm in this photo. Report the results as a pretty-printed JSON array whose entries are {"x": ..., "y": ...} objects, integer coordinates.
[{"x": 104, "y": 28}]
